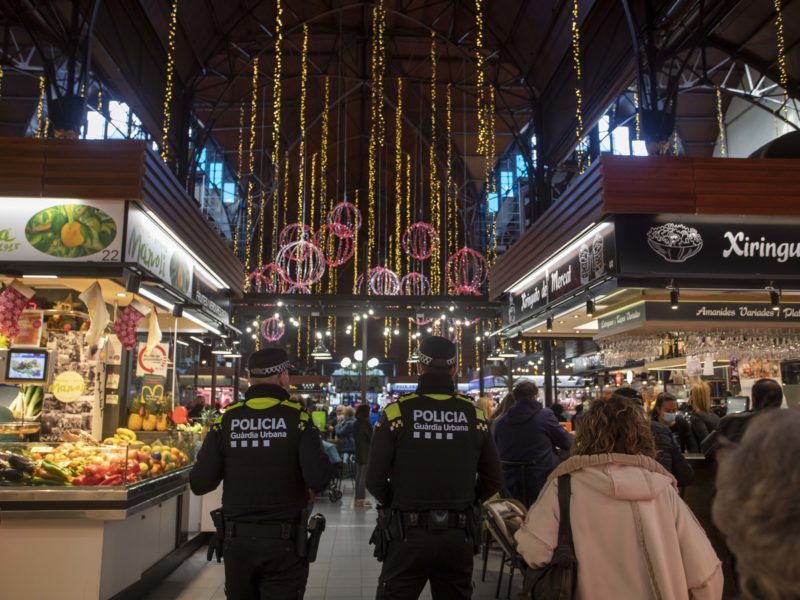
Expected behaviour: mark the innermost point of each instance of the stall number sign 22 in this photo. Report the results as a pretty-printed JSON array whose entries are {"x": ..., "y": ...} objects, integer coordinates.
[{"x": 153, "y": 362}]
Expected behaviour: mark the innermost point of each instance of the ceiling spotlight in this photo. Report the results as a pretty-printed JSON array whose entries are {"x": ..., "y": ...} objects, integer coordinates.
[
  {"x": 549, "y": 323},
  {"x": 277, "y": 315},
  {"x": 220, "y": 347},
  {"x": 357, "y": 317},
  {"x": 358, "y": 355},
  {"x": 477, "y": 338},
  {"x": 318, "y": 335},
  {"x": 280, "y": 302},
  {"x": 365, "y": 315},
  {"x": 249, "y": 330},
  {"x": 452, "y": 307},
  {"x": 450, "y": 329},
  {"x": 346, "y": 362},
  {"x": 370, "y": 311},
  {"x": 429, "y": 330},
  {"x": 674, "y": 298},
  {"x": 441, "y": 317},
  {"x": 775, "y": 300},
  {"x": 589, "y": 307},
  {"x": 327, "y": 334},
  {"x": 373, "y": 362},
  {"x": 255, "y": 323},
  {"x": 397, "y": 332}
]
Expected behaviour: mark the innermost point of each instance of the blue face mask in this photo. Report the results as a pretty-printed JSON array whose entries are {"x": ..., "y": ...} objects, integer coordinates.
[{"x": 669, "y": 418}]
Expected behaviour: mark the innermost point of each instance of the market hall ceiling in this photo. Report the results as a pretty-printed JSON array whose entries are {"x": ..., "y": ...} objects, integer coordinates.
[{"x": 528, "y": 62}]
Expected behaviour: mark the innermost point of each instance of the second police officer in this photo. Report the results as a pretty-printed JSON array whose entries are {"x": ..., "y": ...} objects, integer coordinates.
[
  {"x": 269, "y": 457},
  {"x": 427, "y": 449}
]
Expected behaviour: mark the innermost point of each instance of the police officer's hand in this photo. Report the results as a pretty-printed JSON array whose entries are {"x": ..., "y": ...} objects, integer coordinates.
[{"x": 311, "y": 495}]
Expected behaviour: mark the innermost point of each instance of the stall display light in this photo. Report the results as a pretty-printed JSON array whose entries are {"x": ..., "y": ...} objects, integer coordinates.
[
  {"x": 220, "y": 347},
  {"x": 320, "y": 352},
  {"x": 346, "y": 362},
  {"x": 373, "y": 362},
  {"x": 508, "y": 353},
  {"x": 495, "y": 356},
  {"x": 182, "y": 343},
  {"x": 774, "y": 300},
  {"x": 198, "y": 340},
  {"x": 155, "y": 298},
  {"x": 589, "y": 307},
  {"x": 549, "y": 323},
  {"x": 358, "y": 355},
  {"x": 674, "y": 298},
  {"x": 414, "y": 358}
]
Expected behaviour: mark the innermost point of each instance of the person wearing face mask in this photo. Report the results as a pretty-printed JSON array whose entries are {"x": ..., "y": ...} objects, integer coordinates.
[
  {"x": 668, "y": 454},
  {"x": 665, "y": 411}
]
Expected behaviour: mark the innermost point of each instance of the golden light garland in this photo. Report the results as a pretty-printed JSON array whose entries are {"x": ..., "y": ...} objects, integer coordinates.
[
  {"x": 308, "y": 338},
  {"x": 723, "y": 149},
  {"x": 481, "y": 76},
  {"x": 377, "y": 128},
  {"x": 313, "y": 192},
  {"x": 398, "y": 176},
  {"x": 99, "y": 100},
  {"x": 408, "y": 337},
  {"x": 302, "y": 149},
  {"x": 168, "y": 85},
  {"x": 257, "y": 330},
  {"x": 638, "y": 117},
  {"x": 477, "y": 349},
  {"x": 276, "y": 125},
  {"x": 408, "y": 205},
  {"x": 325, "y": 204},
  {"x": 576, "y": 66},
  {"x": 249, "y": 234},
  {"x": 450, "y": 192},
  {"x": 783, "y": 77},
  {"x": 239, "y": 166},
  {"x": 435, "y": 200},
  {"x": 488, "y": 165},
  {"x": 355, "y": 331},
  {"x": 355, "y": 257},
  {"x": 387, "y": 325},
  {"x": 286, "y": 188},
  {"x": 41, "y": 130}
]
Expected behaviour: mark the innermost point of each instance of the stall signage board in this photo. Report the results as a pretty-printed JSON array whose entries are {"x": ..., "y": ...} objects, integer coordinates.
[
  {"x": 707, "y": 246},
  {"x": 153, "y": 362},
  {"x": 212, "y": 307},
  {"x": 626, "y": 319},
  {"x": 582, "y": 263},
  {"x": 154, "y": 249},
  {"x": 59, "y": 230}
]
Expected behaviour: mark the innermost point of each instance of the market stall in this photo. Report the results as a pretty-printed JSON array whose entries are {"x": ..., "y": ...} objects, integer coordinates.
[{"x": 105, "y": 286}]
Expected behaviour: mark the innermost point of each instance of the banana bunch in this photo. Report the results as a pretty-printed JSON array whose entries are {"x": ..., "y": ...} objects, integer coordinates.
[{"x": 123, "y": 437}]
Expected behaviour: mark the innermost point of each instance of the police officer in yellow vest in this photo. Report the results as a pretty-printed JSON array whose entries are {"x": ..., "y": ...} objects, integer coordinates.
[
  {"x": 269, "y": 456},
  {"x": 431, "y": 460}
]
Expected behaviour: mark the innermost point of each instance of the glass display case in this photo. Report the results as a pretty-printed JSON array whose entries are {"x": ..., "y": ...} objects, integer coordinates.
[{"x": 119, "y": 461}]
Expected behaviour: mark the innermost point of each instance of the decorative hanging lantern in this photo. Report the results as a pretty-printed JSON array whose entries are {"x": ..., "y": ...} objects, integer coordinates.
[
  {"x": 301, "y": 263},
  {"x": 347, "y": 215},
  {"x": 466, "y": 269},
  {"x": 295, "y": 232},
  {"x": 337, "y": 247},
  {"x": 420, "y": 241},
  {"x": 272, "y": 329},
  {"x": 384, "y": 282},
  {"x": 415, "y": 284}
]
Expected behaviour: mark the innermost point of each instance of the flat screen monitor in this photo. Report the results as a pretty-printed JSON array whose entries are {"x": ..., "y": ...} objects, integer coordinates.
[
  {"x": 26, "y": 365},
  {"x": 737, "y": 404}
]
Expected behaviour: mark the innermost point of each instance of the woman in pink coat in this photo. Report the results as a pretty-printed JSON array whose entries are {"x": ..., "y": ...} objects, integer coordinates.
[{"x": 634, "y": 537}]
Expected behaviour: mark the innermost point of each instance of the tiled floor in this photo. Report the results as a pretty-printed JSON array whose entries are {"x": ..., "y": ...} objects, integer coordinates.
[{"x": 345, "y": 568}]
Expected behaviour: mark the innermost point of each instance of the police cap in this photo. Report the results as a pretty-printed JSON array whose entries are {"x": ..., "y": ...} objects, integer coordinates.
[
  {"x": 437, "y": 352},
  {"x": 267, "y": 362}
]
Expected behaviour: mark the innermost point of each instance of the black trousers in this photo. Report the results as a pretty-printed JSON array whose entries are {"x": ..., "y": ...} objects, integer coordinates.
[
  {"x": 263, "y": 569},
  {"x": 445, "y": 558}
]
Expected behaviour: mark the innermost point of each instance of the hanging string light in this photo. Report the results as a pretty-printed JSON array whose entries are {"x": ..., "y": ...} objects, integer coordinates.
[
  {"x": 638, "y": 117},
  {"x": 41, "y": 130},
  {"x": 783, "y": 77},
  {"x": 276, "y": 124},
  {"x": 301, "y": 191},
  {"x": 286, "y": 188},
  {"x": 324, "y": 204},
  {"x": 723, "y": 150},
  {"x": 408, "y": 204},
  {"x": 450, "y": 193},
  {"x": 168, "y": 85},
  {"x": 489, "y": 180},
  {"x": 239, "y": 165},
  {"x": 248, "y": 230},
  {"x": 435, "y": 200},
  {"x": 313, "y": 179},
  {"x": 576, "y": 66},
  {"x": 398, "y": 175},
  {"x": 355, "y": 258},
  {"x": 377, "y": 128}
]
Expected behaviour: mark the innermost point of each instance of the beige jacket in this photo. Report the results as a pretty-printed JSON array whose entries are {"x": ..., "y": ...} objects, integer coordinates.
[{"x": 634, "y": 537}]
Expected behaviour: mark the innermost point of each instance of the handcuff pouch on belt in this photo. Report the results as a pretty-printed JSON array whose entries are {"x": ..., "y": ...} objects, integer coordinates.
[{"x": 388, "y": 528}]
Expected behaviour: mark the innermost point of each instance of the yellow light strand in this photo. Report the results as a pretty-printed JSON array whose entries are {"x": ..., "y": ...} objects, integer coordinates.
[
  {"x": 276, "y": 125},
  {"x": 323, "y": 160},
  {"x": 308, "y": 339},
  {"x": 477, "y": 363},
  {"x": 355, "y": 261},
  {"x": 409, "y": 344},
  {"x": 377, "y": 128},
  {"x": 99, "y": 100},
  {"x": 248, "y": 232},
  {"x": 450, "y": 195},
  {"x": 41, "y": 131},
  {"x": 723, "y": 149},
  {"x": 313, "y": 179},
  {"x": 408, "y": 205},
  {"x": 435, "y": 203},
  {"x": 258, "y": 335},
  {"x": 168, "y": 85},
  {"x": 398, "y": 176},
  {"x": 638, "y": 117},
  {"x": 302, "y": 147},
  {"x": 286, "y": 189},
  {"x": 783, "y": 77},
  {"x": 239, "y": 166},
  {"x": 576, "y": 66},
  {"x": 488, "y": 164}
]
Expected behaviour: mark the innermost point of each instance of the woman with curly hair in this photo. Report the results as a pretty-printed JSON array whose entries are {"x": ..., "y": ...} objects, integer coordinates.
[{"x": 634, "y": 537}]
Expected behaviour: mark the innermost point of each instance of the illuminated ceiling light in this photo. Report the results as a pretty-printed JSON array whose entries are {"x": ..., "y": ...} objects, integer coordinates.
[
  {"x": 346, "y": 362},
  {"x": 358, "y": 355},
  {"x": 775, "y": 300},
  {"x": 589, "y": 308},
  {"x": 220, "y": 348},
  {"x": 373, "y": 362},
  {"x": 414, "y": 358},
  {"x": 674, "y": 298},
  {"x": 549, "y": 323}
]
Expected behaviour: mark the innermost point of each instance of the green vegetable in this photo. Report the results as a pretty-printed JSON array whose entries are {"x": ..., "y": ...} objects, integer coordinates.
[
  {"x": 53, "y": 482},
  {"x": 54, "y": 470}
]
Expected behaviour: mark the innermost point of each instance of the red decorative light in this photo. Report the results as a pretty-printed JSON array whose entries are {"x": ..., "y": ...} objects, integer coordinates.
[
  {"x": 295, "y": 232},
  {"x": 421, "y": 321},
  {"x": 347, "y": 215},
  {"x": 384, "y": 282},
  {"x": 415, "y": 284},
  {"x": 266, "y": 279},
  {"x": 301, "y": 263},
  {"x": 466, "y": 269},
  {"x": 272, "y": 329},
  {"x": 420, "y": 240},
  {"x": 465, "y": 291},
  {"x": 337, "y": 246}
]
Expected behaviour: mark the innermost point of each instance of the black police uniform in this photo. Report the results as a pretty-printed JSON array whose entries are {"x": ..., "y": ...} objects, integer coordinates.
[
  {"x": 268, "y": 453},
  {"x": 426, "y": 451}
]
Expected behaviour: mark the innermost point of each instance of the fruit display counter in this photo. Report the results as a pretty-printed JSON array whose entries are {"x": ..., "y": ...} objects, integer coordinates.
[{"x": 105, "y": 514}]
